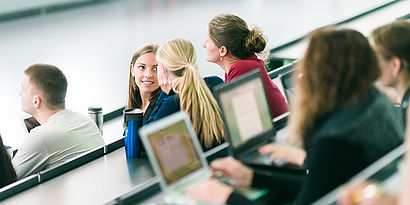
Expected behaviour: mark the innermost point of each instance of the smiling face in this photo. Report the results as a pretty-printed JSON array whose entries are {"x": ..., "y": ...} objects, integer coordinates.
[{"x": 144, "y": 71}]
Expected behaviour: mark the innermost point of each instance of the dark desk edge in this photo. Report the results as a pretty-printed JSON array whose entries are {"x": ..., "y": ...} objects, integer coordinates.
[{"x": 19, "y": 186}]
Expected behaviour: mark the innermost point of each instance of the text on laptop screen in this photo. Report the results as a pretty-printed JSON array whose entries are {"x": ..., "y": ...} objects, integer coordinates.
[
  {"x": 246, "y": 111},
  {"x": 175, "y": 152}
]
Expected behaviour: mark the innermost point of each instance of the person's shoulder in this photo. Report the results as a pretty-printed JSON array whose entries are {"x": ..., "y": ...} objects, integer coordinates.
[
  {"x": 251, "y": 61},
  {"x": 39, "y": 135},
  {"x": 69, "y": 114},
  {"x": 212, "y": 81},
  {"x": 246, "y": 65},
  {"x": 381, "y": 105},
  {"x": 169, "y": 100}
]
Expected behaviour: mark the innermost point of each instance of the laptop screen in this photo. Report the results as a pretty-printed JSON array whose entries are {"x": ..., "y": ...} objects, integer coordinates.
[
  {"x": 175, "y": 152},
  {"x": 246, "y": 110},
  {"x": 29, "y": 122},
  {"x": 288, "y": 86}
]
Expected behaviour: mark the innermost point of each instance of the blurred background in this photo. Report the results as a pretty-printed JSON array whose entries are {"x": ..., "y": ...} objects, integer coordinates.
[{"x": 92, "y": 41}]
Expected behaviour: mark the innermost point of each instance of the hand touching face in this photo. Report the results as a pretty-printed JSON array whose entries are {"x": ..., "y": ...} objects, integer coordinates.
[{"x": 164, "y": 79}]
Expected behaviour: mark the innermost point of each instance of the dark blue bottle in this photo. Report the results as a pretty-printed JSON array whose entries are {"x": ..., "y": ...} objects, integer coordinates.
[{"x": 133, "y": 121}]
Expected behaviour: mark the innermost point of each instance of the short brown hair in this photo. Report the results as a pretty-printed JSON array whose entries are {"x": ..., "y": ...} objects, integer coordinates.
[
  {"x": 392, "y": 40},
  {"x": 51, "y": 82},
  {"x": 231, "y": 31}
]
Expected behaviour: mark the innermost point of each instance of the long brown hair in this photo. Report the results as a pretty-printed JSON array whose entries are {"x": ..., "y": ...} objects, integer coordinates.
[
  {"x": 134, "y": 97},
  {"x": 231, "y": 31},
  {"x": 338, "y": 67},
  {"x": 178, "y": 56}
]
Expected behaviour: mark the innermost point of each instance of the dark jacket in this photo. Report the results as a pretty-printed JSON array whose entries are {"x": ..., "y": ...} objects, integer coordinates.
[
  {"x": 169, "y": 103},
  {"x": 149, "y": 110},
  {"x": 340, "y": 145}
]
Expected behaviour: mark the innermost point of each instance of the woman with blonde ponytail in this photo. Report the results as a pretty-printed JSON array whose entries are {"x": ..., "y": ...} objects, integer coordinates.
[{"x": 184, "y": 89}]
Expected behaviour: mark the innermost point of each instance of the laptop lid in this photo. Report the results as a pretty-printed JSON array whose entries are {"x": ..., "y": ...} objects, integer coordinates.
[
  {"x": 174, "y": 151},
  {"x": 246, "y": 112},
  {"x": 287, "y": 84},
  {"x": 28, "y": 122}
]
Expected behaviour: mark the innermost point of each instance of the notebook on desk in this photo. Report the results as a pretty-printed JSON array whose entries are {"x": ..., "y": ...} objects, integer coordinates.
[
  {"x": 246, "y": 113},
  {"x": 175, "y": 153}
]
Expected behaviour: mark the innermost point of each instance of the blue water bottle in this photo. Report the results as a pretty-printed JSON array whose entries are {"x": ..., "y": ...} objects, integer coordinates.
[{"x": 133, "y": 121}]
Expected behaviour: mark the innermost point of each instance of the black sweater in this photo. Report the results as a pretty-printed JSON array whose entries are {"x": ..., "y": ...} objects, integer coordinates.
[{"x": 342, "y": 144}]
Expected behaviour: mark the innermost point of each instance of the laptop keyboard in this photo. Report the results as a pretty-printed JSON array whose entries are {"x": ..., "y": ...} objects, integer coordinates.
[{"x": 257, "y": 158}]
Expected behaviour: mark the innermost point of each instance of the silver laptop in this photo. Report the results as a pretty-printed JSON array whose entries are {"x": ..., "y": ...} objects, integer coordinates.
[
  {"x": 247, "y": 117},
  {"x": 288, "y": 86},
  {"x": 175, "y": 153}
]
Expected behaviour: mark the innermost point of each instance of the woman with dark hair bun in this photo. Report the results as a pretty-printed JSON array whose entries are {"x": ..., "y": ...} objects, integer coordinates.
[
  {"x": 7, "y": 173},
  {"x": 233, "y": 46}
]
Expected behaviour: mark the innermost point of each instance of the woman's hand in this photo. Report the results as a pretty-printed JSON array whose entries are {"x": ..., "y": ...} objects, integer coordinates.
[
  {"x": 233, "y": 169},
  {"x": 287, "y": 153},
  {"x": 164, "y": 80}
]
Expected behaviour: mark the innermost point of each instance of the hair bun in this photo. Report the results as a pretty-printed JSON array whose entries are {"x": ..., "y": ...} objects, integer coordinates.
[{"x": 255, "y": 41}]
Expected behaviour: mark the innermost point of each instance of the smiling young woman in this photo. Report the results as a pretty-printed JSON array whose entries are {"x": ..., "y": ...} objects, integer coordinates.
[{"x": 143, "y": 88}]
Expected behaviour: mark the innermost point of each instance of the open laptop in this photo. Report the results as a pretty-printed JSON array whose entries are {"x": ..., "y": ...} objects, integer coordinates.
[
  {"x": 288, "y": 86},
  {"x": 29, "y": 122},
  {"x": 175, "y": 153},
  {"x": 247, "y": 117}
]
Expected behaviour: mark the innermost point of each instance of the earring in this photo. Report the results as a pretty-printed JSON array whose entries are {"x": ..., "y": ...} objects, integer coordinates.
[
  {"x": 394, "y": 73},
  {"x": 221, "y": 58}
]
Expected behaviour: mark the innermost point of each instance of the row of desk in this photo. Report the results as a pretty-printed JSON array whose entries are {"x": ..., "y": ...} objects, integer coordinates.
[
  {"x": 96, "y": 182},
  {"x": 101, "y": 181},
  {"x": 110, "y": 179}
]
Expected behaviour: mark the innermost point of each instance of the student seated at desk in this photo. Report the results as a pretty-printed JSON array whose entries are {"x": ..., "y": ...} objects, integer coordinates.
[
  {"x": 7, "y": 173},
  {"x": 63, "y": 134},
  {"x": 343, "y": 122},
  {"x": 392, "y": 45},
  {"x": 177, "y": 69},
  {"x": 143, "y": 87},
  {"x": 233, "y": 46}
]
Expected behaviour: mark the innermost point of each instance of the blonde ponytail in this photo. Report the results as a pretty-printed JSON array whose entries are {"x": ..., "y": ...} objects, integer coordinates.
[{"x": 178, "y": 56}]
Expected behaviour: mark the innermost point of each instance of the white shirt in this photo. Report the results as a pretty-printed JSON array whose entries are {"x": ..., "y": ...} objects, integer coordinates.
[{"x": 65, "y": 135}]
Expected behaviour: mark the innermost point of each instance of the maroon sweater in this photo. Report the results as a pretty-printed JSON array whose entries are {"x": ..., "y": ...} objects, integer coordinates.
[{"x": 276, "y": 100}]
